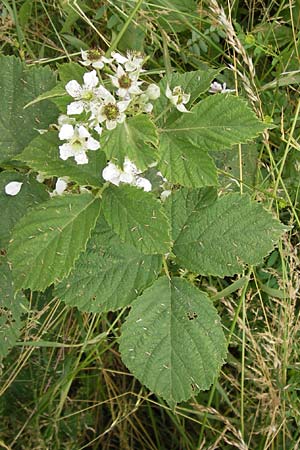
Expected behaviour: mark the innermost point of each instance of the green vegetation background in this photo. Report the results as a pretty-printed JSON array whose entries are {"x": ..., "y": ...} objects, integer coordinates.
[{"x": 72, "y": 390}]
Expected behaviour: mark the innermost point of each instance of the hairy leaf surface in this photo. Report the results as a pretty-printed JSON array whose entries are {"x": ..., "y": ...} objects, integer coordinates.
[
  {"x": 109, "y": 275},
  {"x": 138, "y": 218},
  {"x": 219, "y": 239},
  {"x": 172, "y": 340},
  {"x": 183, "y": 163},
  {"x": 14, "y": 207},
  {"x": 46, "y": 242},
  {"x": 216, "y": 123},
  {"x": 18, "y": 86}
]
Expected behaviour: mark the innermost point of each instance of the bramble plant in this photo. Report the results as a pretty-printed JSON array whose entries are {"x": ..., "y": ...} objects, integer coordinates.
[{"x": 109, "y": 193}]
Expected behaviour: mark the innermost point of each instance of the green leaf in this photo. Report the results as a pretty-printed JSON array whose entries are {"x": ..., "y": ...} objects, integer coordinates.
[
  {"x": 172, "y": 340},
  {"x": 219, "y": 239},
  {"x": 134, "y": 138},
  {"x": 46, "y": 243},
  {"x": 183, "y": 163},
  {"x": 42, "y": 155},
  {"x": 216, "y": 123},
  {"x": 11, "y": 308},
  {"x": 14, "y": 207},
  {"x": 195, "y": 83},
  {"x": 138, "y": 218},
  {"x": 19, "y": 85},
  {"x": 174, "y": 15},
  {"x": 71, "y": 71},
  {"x": 183, "y": 204},
  {"x": 109, "y": 275}
]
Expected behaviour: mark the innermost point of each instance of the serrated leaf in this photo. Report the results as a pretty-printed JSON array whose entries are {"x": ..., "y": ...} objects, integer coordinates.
[
  {"x": 219, "y": 239},
  {"x": 138, "y": 218},
  {"x": 172, "y": 340},
  {"x": 194, "y": 83},
  {"x": 11, "y": 308},
  {"x": 216, "y": 123},
  {"x": 183, "y": 163},
  {"x": 71, "y": 71},
  {"x": 109, "y": 275},
  {"x": 42, "y": 155},
  {"x": 14, "y": 207},
  {"x": 19, "y": 85},
  {"x": 134, "y": 138},
  {"x": 46, "y": 242},
  {"x": 182, "y": 204}
]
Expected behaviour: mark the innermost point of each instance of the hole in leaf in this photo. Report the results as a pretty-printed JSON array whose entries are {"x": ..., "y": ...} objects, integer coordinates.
[{"x": 192, "y": 315}]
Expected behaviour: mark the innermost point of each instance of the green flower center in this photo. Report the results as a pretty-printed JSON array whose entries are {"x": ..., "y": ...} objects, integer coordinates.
[
  {"x": 125, "y": 82},
  {"x": 94, "y": 55},
  {"x": 111, "y": 111}
]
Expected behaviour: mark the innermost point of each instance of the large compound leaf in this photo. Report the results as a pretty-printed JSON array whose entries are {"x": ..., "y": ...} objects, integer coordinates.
[
  {"x": 47, "y": 241},
  {"x": 134, "y": 138},
  {"x": 18, "y": 86},
  {"x": 183, "y": 163},
  {"x": 221, "y": 238},
  {"x": 138, "y": 218},
  {"x": 172, "y": 340},
  {"x": 42, "y": 155},
  {"x": 194, "y": 83},
  {"x": 109, "y": 275},
  {"x": 14, "y": 207},
  {"x": 11, "y": 309},
  {"x": 217, "y": 122}
]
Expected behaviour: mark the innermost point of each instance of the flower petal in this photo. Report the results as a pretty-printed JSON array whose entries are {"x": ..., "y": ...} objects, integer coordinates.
[
  {"x": 119, "y": 58},
  {"x": 144, "y": 183},
  {"x": 182, "y": 108},
  {"x": 111, "y": 172},
  {"x": 60, "y": 186},
  {"x": 66, "y": 132},
  {"x": 81, "y": 158},
  {"x": 83, "y": 132},
  {"x": 13, "y": 188},
  {"x": 75, "y": 108},
  {"x": 73, "y": 88},
  {"x": 92, "y": 144},
  {"x": 90, "y": 79},
  {"x": 65, "y": 151}
]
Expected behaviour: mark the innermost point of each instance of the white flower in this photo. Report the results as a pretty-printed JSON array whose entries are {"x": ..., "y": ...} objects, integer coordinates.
[
  {"x": 94, "y": 58},
  {"x": 109, "y": 111},
  {"x": 178, "y": 97},
  {"x": 112, "y": 174},
  {"x": 165, "y": 194},
  {"x": 127, "y": 83},
  {"x": 13, "y": 188},
  {"x": 153, "y": 91},
  {"x": 216, "y": 87},
  {"x": 84, "y": 94},
  {"x": 80, "y": 141},
  {"x": 132, "y": 62},
  {"x": 60, "y": 186},
  {"x": 143, "y": 183},
  {"x": 129, "y": 175}
]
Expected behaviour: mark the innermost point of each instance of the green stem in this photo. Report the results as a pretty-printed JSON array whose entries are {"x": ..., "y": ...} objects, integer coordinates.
[{"x": 114, "y": 44}]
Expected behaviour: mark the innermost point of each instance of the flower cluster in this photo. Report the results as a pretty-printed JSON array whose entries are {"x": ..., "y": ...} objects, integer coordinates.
[
  {"x": 111, "y": 92},
  {"x": 103, "y": 101}
]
